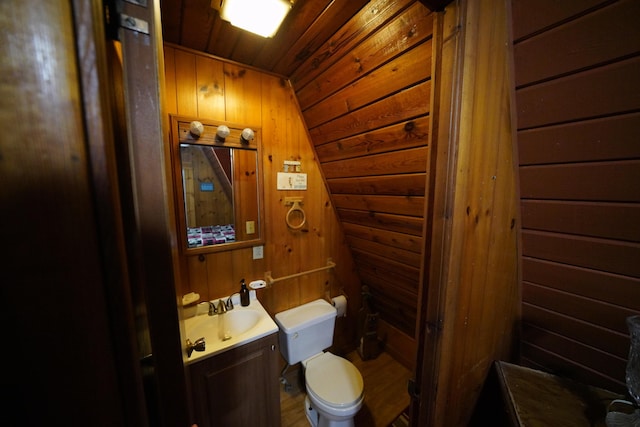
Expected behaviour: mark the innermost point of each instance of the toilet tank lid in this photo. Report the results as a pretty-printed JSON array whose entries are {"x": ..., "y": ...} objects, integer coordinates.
[{"x": 305, "y": 315}]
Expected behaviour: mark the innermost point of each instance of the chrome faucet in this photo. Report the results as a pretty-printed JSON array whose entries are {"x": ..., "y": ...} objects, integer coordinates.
[
  {"x": 223, "y": 331},
  {"x": 199, "y": 345},
  {"x": 221, "y": 308}
]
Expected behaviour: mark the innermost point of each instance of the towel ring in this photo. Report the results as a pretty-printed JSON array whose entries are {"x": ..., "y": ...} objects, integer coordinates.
[{"x": 296, "y": 207}]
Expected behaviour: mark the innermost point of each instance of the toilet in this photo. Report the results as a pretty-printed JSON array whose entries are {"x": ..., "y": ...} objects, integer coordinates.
[{"x": 335, "y": 390}]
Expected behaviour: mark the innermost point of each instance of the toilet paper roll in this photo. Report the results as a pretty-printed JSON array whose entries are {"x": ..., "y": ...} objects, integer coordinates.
[{"x": 340, "y": 303}]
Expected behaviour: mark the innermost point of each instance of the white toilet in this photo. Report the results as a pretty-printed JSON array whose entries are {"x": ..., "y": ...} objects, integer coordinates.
[{"x": 335, "y": 389}]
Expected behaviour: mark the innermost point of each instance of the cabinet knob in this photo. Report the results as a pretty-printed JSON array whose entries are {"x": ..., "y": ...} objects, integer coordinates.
[{"x": 273, "y": 347}]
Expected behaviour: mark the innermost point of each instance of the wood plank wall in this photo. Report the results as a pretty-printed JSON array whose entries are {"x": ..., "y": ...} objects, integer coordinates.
[
  {"x": 471, "y": 312},
  {"x": 202, "y": 86},
  {"x": 365, "y": 98},
  {"x": 578, "y": 103}
]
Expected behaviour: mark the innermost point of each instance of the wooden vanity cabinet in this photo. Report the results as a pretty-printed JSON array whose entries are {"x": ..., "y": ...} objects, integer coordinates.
[{"x": 239, "y": 387}]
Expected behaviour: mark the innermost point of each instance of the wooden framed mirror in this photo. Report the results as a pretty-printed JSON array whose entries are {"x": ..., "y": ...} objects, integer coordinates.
[{"x": 217, "y": 180}]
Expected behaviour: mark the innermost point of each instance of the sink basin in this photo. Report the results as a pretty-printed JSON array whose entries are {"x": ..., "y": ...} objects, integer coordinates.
[
  {"x": 237, "y": 323},
  {"x": 243, "y": 324}
]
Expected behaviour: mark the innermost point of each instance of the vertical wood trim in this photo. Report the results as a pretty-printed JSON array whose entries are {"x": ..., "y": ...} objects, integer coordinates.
[
  {"x": 445, "y": 110},
  {"x": 472, "y": 297},
  {"x": 154, "y": 260},
  {"x": 97, "y": 86}
]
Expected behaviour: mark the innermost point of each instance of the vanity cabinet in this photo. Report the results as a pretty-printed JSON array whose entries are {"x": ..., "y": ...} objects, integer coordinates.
[{"x": 239, "y": 387}]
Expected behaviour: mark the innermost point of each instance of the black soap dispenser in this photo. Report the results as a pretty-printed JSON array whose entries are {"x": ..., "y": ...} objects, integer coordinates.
[{"x": 244, "y": 294}]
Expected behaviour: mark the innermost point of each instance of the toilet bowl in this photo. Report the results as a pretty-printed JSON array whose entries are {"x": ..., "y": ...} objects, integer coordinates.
[{"x": 335, "y": 389}]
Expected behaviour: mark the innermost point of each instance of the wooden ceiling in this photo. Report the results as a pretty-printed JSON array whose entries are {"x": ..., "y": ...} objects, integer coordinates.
[{"x": 194, "y": 24}]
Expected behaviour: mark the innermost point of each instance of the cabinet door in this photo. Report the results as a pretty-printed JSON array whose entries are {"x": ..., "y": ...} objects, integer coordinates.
[{"x": 238, "y": 387}]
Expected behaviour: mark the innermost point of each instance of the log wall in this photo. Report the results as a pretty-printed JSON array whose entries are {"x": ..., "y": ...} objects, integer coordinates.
[{"x": 578, "y": 100}]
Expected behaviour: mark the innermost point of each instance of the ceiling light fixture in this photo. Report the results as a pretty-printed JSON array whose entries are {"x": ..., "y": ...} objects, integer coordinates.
[{"x": 262, "y": 17}]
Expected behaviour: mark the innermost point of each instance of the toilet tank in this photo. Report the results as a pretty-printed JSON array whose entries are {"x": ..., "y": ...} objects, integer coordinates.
[{"x": 306, "y": 330}]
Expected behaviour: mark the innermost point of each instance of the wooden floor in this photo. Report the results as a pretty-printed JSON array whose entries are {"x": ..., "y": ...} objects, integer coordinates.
[{"x": 385, "y": 393}]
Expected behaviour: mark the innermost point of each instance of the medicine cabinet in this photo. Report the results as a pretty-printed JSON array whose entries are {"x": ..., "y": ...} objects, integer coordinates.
[{"x": 218, "y": 188}]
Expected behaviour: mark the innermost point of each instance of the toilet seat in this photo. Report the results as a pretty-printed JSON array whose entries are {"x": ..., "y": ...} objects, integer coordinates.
[{"x": 334, "y": 381}]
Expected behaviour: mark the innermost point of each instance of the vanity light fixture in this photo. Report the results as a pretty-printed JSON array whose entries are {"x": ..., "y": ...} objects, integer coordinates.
[
  {"x": 247, "y": 135},
  {"x": 196, "y": 128},
  {"x": 222, "y": 132},
  {"x": 262, "y": 17}
]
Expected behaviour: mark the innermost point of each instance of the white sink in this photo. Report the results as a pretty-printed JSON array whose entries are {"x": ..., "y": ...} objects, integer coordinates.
[{"x": 243, "y": 325}]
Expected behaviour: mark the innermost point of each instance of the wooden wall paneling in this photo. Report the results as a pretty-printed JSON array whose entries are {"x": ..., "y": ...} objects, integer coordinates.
[
  {"x": 326, "y": 25},
  {"x": 612, "y": 256},
  {"x": 292, "y": 248},
  {"x": 337, "y": 44},
  {"x": 396, "y": 307},
  {"x": 583, "y": 181},
  {"x": 210, "y": 84},
  {"x": 397, "y": 162},
  {"x": 246, "y": 187},
  {"x": 399, "y": 345},
  {"x": 403, "y": 256},
  {"x": 578, "y": 307},
  {"x": 547, "y": 321},
  {"x": 388, "y": 222},
  {"x": 243, "y": 95},
  {"x": 389, "y": 270},
  {"x": 185, "y": 81},
  {"x": 602, "y": 91},
  {"x": 594, "y": 219},
  {"x": 410, "y": 134},
  {"x": 387, "y": 238},
  {"x": 607, "y": 138},
  {"x": 577, "y": 140},
  {"x": 405, "y": 71},
  {"x": 406, "y": 184},
  {"x": 197, "y": 275},
  {"x": 406, "y": 205},
  {"x": 531, "y": 16},
  {"x": 579, "y": 43},
  {"x": 580, "y": 354},
  {"x": 542, "y": 359},
  {"x": 402, "y": 106},
  {"x": 171, "y": 92},
  {"x": 411, "y": 28},
  {"x": 595, "y": 284}
]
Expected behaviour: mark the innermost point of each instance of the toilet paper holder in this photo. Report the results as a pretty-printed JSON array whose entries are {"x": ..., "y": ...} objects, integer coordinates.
[{"x": 340, "y": 303}]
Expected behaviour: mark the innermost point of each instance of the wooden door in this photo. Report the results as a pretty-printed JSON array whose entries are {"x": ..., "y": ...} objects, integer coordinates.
[
  {"x": 72, "y": 361},
  {"x": 471, "y": 299}
]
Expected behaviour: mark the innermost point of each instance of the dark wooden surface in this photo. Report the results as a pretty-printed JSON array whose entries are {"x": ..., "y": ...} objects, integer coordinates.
[
  {"x": 238, "y": 387},
  {"x": 535, "y": 398},
  {"x": 576, "y": 67}
]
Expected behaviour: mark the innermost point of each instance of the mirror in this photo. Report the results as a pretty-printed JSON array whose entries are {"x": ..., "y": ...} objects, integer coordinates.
[{"x": 216, "y": 168}]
